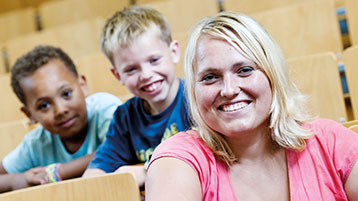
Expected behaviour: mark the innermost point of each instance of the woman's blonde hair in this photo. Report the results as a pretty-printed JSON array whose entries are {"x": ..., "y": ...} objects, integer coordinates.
[{"x": 288, "y": 108}]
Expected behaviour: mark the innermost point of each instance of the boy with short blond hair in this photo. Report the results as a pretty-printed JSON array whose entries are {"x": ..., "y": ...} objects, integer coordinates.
[
  {"x": 72, "y": 126},
  {"x": 137, "y": 41}
]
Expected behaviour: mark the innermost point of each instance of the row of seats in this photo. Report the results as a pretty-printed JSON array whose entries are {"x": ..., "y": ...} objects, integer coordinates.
[
  {"x": 315, "y": 29},
  {"x": 110, "y": 187}
]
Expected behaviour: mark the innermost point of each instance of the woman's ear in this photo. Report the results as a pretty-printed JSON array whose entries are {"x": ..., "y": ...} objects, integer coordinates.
[{"x": 84, "y": 86}]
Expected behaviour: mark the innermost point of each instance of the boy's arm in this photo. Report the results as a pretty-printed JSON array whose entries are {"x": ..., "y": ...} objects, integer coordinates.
[
  {"x": 10, "y": 182},
  {"x": 92, "y": 172},
  {"x": 74, "y": 168}
]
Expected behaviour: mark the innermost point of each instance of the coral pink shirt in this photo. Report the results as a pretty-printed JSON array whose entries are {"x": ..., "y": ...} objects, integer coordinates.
[{"x": 316, "y": 173}]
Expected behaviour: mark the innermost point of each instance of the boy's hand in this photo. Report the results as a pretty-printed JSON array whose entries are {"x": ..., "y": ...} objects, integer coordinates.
[
  {"x": 32, "y": 177},
  {"x": 138, "y": 171}
]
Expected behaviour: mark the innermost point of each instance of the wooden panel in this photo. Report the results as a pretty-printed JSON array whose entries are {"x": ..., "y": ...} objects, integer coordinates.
[
  {"x": 96, "y": 68},
  {"x": 352, "y": 20},
  {"x": 11, "y": 134},
  {"x": 350, "y": 59},
  {"x": 183, "y": 14},
  {"x": 62, "y": 12},
  {"x": 17, "y": 23},
  {"x": 2, "y": 60},
  {"x": 251, "y": 6},
  {"x": 6, "y": 6},
  {"x": 9, "y": 104},
  {"x": 303, "y": 29},
  {"x": 76, "y": 39},
  {"x": 318, "y": 77},
  {"x": 110, "y": 187}
]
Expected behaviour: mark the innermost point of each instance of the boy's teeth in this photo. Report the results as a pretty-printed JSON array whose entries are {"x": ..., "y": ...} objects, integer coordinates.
[
  {"x": 233, "y": 107},
  {"x": 152, "y": 87}
]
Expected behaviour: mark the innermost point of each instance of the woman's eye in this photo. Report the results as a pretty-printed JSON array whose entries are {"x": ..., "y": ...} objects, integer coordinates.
[
  {"x": 245, "y": 71},
  {"x": 209, "y": 78}
]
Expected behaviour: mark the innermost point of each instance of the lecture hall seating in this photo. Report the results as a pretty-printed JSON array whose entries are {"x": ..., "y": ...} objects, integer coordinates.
[
  {"x": 183, "y": 14},
  {"x": 109, "y": 187},
  {"x": 350, "y": 59},
  {"x": 17, "y": 23},
  {"x": 11, "y": 134},
  {"x": 352, "y": 20},
  {"x": 252, "y": 6},
  {"x": 76, "y": 39},
  {"x": 304, "y": 28},
  {"x": 9, "y": 104},
  {"x": 57, "y": 13},
  {"x": 317, "y": 76},
  {"x": 96, "y": 68}
]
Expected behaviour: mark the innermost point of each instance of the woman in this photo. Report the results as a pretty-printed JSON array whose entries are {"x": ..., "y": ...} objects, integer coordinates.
[{"x": 252, "y": 138}]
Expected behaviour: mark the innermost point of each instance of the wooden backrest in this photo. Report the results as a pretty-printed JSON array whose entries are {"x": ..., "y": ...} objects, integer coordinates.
[
  {"x": 110, "y": 187},
  {"x": 303, "y": 29},
  {"x": 251, "y": 6},
  {"x": 76, "y": 39},
  {"x": 9, "y": 104},
  {"x": 352, "y": 20},
  {"x": 96, "y": 68},
  {"x": 318, "y": 77},
  {"x": 11, "y": 134},
  {"x": 350, "y": 59},
  {"x": 183, "y": 14},
  {"x": 350, "y": 123},
  {"x": 57, "y": 13},
  {"x": 54, "y": 13},
  {"x": 16, "y": 23}
]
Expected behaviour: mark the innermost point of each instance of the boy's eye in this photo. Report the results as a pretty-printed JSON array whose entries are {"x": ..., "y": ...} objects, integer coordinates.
[
  {"x": 43, "y": 106},
  {"x": 129, "y": 69},
  {"x": 245, "y": 71},
  {"x": 154, "y": 60},
  {"x": 67, "y": 93},
  {"x": 209, "y": 78}
]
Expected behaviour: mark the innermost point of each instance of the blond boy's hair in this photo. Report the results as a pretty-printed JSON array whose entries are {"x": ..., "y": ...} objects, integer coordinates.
[{"x": 126, "y": 25}]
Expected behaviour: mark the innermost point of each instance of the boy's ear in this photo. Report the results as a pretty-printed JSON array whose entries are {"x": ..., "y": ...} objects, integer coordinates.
[
  {"x": 27, "y": 112},
  {"x": 115, "y": 73},
  {"x": 84, "y": 86},
  {"x": 175, "y": 51}
]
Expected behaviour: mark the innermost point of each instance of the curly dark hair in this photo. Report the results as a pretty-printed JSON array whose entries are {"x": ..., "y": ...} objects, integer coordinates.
[{"x": 33, "y": 60}]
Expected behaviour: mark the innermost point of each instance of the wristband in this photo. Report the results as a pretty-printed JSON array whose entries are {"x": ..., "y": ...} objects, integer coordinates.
[{"x": 52, "y": 173}]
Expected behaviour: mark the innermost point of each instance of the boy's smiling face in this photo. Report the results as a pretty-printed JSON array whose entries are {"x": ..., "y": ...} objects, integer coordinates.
[
  {"x": 55, "y": 98},
  {"x": 146, "y": 67}
]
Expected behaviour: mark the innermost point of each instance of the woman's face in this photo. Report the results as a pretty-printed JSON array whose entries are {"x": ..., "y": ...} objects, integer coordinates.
[{"x": 233, "y": 95}]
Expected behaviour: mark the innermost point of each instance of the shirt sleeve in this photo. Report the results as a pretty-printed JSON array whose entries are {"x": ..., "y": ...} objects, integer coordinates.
[
  {"x": 19, "y": 160},
  {"x": 117, "y": 149},
  {"x": 342, "y": 144}
]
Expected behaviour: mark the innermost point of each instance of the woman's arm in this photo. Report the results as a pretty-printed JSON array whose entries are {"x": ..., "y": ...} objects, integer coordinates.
[
  {"x": 351, "y": 185},
  {"x": 172, "y": 179}
]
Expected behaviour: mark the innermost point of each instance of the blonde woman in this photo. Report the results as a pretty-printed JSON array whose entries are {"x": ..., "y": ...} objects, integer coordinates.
[{"x": 252, "y": 138}]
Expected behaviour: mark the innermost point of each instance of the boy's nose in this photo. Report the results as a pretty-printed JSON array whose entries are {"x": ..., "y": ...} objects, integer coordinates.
[
  {"x": 60, "y": 109},
  {"x": 146, "y": 73}
]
